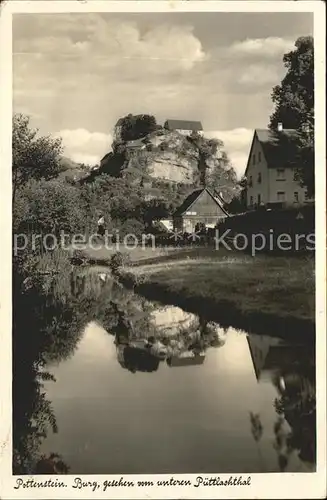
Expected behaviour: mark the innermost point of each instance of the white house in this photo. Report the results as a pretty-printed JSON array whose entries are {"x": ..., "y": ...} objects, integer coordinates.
[
  {"x": 184, "y": 127},
  {"x": 271, "y": 177}
]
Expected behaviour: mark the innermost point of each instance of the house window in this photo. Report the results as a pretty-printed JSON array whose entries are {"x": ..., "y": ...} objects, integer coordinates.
[
  {"x": 253, "y": 159},
  {"x": 296, "y": 196},
  {"x": 295, "y": 175},
  {"x": 259, "y": 178},
  {"x": 250, "y": 181},
  {"x": 281, "y": 174},
  {"x": 280, "y": 195},
  {"x": 251, "y": 201},
  {"x": 259, "y": 199},
  {"x": 259, "y": 156}
]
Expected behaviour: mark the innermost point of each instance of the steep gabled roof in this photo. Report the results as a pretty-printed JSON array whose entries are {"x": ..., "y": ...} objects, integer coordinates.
[
  {"x": 191, "y": 199},
  {"x": 278, "y": 147},
  {"x": 183, "y": 125}
]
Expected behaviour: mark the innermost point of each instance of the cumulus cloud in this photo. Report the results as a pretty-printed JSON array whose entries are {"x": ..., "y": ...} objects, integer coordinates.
[
  {"x": 259, "y": 74},
  {"x": 173, "y": 46},
  {"x": 262, "y": 47},
  {"x": 237, "y": 144},
  {"x": 84, "y": 71},
  {"x": 83, "y": 146}
]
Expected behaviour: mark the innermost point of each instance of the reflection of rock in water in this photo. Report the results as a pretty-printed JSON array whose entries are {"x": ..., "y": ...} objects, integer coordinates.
[
  {"x": 170, "y": 320},
  {"x": 215, "y": 335},
  {"x": 135, "y": 359}
]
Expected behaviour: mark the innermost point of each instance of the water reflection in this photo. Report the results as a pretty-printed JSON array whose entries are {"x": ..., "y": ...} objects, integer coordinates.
[
  {"x": 48, "y": 318},
  {"x": 171, "y": 335},
  {"x": 207, "y": 413},
  {"x": 291, "y": 369}
]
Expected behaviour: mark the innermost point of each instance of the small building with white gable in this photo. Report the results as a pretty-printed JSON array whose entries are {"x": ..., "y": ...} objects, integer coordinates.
[{"x": 184, "y": 127}]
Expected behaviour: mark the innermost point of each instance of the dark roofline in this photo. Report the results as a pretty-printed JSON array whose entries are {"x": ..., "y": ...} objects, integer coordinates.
[
  {"x": 256, "y": 371},
  {"x": 184, "y": 124},
  {"x": 216, "y": 198},
  {"x": 286, "y": 132},
  {"x": 250, "y": 152}
]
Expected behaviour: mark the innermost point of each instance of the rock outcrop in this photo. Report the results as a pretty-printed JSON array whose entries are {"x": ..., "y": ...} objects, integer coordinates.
[
  {"x": 162, "y": 155},
  {"x": 167, "y": 157}
]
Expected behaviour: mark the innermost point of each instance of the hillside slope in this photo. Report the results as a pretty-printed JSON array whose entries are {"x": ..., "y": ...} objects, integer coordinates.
[{"x": 70, "y": 169}]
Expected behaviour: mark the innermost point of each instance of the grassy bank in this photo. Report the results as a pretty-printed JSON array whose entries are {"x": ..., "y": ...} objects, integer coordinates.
[
  {"x": 267, "y": 295},
  {"x": 102, "y": 255}
]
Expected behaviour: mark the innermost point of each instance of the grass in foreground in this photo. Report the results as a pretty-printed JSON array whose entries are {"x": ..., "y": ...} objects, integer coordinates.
[
  {"x": 251, "y": 293},
  {"x": 103, "y": 254}
]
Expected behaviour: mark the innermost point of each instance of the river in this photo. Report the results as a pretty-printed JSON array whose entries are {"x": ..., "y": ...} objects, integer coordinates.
[{"x": 150, "y": 388}]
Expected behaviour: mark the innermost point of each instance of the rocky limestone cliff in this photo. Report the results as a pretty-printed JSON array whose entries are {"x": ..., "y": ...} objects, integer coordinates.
[
  {"x": 172, "y": 157},
  {"x": 163, "y": 155},
  {"x": 166, "y": 157}
]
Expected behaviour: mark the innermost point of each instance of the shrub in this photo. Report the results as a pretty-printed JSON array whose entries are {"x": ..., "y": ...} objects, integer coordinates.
[
  {"x": 118, "y": 260},
  {"x": 33, "y": 156},
  {"x": 137, "y": 126},
  {"x": 49, "y": 207},
  {"x": 132, "y": 226}
]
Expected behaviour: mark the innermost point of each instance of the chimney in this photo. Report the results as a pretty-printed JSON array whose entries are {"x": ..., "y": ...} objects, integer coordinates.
[{"x": 279, "y": 126}]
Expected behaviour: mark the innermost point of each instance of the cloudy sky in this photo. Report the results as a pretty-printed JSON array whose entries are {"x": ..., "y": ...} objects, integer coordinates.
[{"x": 76, "y": 74}]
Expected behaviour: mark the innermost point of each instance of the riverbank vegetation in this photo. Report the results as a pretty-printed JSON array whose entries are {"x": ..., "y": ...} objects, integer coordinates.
[
  {"x": 267, "y": 295},
  {"x": 52, "y": 300}
]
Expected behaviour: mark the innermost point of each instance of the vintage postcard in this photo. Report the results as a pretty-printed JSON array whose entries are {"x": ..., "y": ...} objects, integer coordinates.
[{"x": 163, "y": 256}]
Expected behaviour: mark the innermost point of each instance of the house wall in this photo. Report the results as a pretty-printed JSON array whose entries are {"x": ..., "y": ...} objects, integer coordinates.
[
  {"x": 258, "y": 165},
  {"x": 178, "y": 224},
  {"x": 285, "y": 183},
  {"x": 190, "y": 222},
  {"x": 205, "y": 206},
  {"x": 168, "y": 223},
  {"x": 204, "y": 210},
  {"x": 271, "y": 181},
  {"x": 260, "y": 347}
]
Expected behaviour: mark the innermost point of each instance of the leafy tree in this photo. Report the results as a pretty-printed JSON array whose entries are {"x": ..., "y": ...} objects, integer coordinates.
[
  {"x": 48, "y": 207},
  {"x": 214, "y": 167},
  {"x": 137, "y": 126},
  {"x": 222, "y": 177},
  {"x": 294, "y": 106},
  {"x": 238, "y": 201},
  {"x": 206, "y": 148},
  {"x": 155, "y": 210},
  {"x": 297, "y": 403},
  {"x": 33, "y": 157},
  {"x": 118, "y": 200},
  {"x": 130, "y": 226}
]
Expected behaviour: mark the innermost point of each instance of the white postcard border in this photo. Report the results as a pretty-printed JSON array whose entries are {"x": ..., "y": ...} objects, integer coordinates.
[{"x": 274, "y": 485}]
